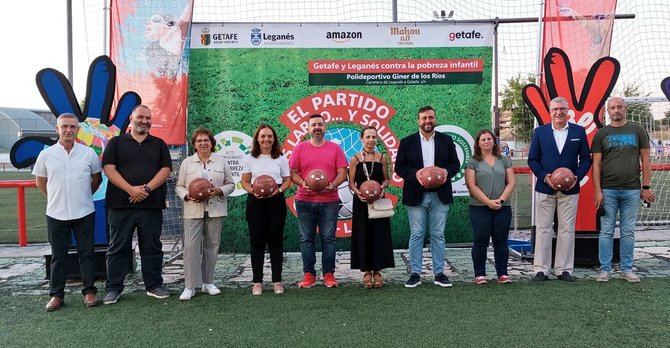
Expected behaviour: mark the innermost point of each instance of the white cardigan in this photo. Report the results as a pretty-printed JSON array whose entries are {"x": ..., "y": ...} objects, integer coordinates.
[{"x": 219, "y": 175}]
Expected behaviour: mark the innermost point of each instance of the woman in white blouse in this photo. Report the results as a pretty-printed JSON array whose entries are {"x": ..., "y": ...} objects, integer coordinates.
[
  {"x": 203, "y": 218},
  {"x": 266, "y": 216}
]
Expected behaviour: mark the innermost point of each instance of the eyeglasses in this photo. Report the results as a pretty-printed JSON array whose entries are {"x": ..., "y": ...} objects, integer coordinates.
[{"x": 558, "y": 109}]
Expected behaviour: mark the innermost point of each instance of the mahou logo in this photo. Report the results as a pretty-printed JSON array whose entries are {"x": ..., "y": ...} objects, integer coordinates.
[{"x": 345, "y": 112}]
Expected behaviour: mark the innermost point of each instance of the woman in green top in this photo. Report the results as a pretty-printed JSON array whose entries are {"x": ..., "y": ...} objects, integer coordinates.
[{"x": 490, "y": 179}]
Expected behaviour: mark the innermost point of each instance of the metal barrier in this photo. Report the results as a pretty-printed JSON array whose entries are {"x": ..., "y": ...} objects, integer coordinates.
[{"x": 20, "y": 186}]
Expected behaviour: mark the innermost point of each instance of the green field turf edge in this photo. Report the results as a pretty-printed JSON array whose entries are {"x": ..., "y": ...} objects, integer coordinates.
[{"x": 523, "y": 314}]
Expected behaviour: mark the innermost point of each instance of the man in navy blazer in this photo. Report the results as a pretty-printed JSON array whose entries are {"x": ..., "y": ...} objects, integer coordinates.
[
  {"x": 423, "y": 149},
  {"x": 555, "y": 145}
]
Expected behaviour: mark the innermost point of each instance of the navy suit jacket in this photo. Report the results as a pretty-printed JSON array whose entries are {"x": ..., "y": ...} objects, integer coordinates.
[
  {"x": 543, "y": 156},
  {"x": 410, "y": 159}
]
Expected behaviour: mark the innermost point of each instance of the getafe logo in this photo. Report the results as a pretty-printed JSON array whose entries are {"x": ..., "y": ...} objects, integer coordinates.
[
  {"x": 405, "y": 34},
  {"x": 256, "y": 36},
  {"x": 465, "y": 35},
  {"x": 343, "y": 36},
  {"x": 205, "y": 39}
]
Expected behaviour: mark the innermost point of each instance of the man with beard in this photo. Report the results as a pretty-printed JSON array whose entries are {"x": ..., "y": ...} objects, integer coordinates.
[
  {"x": 137, "y": 165},
  {"x": 426, "y": 207},
  {"x": 317, "y": 209},
  {"x": 618, "y": 149}
]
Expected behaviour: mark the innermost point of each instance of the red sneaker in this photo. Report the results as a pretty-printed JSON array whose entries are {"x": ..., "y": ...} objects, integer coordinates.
[
  {"x": 503, "y": 279},
  {"x": 329, "y": 280},
  {"x": 308, "y": 282}
]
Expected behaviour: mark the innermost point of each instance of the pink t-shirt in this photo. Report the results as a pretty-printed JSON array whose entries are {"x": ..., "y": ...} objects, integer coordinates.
[{"x": 327, "y": 157}]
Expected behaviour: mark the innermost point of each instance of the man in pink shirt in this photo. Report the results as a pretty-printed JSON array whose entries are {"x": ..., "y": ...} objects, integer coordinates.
[{"x": 317, "y": 209}]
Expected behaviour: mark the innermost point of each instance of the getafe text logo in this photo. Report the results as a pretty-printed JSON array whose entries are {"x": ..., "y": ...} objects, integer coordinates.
[
  {"x": 465, "y": 35},
  {"x": 343, "y": 36},
  {"x": 256, "y": 37},
  {"x": 224, "y": 38},
  {"x": 204, "y": 36},
  {"x": 405, "y": 34}
]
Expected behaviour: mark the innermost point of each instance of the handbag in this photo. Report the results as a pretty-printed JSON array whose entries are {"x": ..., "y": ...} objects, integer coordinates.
[{"x": 381, "y": 208}]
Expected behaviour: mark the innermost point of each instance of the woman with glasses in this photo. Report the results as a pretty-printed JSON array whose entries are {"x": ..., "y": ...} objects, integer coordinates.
[
  {"x": 371, "y": 244},
  {"x": 203, "y": 217}
]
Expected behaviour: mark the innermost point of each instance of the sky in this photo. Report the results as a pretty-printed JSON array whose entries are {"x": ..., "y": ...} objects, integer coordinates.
[{"x": 39, "y": 39}]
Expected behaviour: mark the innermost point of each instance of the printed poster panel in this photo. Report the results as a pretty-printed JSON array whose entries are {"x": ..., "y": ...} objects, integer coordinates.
[{"x": 355, "y": 75}]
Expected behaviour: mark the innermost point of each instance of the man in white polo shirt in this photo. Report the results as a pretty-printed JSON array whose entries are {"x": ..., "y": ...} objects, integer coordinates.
[{"x": 68, "y": 173}]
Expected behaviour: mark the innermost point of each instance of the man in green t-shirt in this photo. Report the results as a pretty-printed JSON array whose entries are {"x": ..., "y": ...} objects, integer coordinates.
[{"x": 619, "y": 150}]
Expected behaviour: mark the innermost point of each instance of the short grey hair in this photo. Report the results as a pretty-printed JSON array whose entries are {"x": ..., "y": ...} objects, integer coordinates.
[
  {"x": 560, "y": 100},
  {"x": 68, "y": 115}
]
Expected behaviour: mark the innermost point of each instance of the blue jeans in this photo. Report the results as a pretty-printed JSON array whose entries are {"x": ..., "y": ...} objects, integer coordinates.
[
  {"x": 324, "y": 216},
  {"x": 436, "y": 211},
  {"x": 627, "y": 204}
]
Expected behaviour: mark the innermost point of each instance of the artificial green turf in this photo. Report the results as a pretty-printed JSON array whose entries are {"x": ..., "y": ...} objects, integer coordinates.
[{"x": 524, "y": 314}]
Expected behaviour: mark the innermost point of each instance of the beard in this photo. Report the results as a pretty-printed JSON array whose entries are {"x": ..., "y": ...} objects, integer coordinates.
[
  {"x": 428, "y": 127},
  {"x": 142, "y": 129}
]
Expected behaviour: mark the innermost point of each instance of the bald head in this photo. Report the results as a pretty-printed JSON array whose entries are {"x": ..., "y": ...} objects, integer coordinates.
[{"x": 618, "y": 110}]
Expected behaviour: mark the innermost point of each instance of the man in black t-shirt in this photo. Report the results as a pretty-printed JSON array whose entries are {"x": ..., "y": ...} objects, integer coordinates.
[{"x": 137, "y": 165}]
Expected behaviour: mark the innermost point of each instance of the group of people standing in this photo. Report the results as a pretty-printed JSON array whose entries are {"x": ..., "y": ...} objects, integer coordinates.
[{"x": 138, "y": 164}]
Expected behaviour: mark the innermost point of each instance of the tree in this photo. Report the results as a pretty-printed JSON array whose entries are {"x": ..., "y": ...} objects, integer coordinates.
[
  {"x": 522, "y": 117},
  {"x": 638, "y": 111}
]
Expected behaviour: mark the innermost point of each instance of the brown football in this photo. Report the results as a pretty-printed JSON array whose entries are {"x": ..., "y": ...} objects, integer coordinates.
[
  {"x": 562, "y": 178},
  {"x": 198, "y": 188},
  {"x": 371, "y": 190},
  {"x": 316, "y": 180},
  {"x": 433, "y": 177},
  {"x": 264, "y": 186}
]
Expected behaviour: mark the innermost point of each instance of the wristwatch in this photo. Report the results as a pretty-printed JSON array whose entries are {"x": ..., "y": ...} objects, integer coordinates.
[
  {"x": 147, "y": 189},
  {"x": 646, "y": 187}
]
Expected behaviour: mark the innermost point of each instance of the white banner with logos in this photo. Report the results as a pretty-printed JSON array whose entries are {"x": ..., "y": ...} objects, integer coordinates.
[{"x": 333, "y": 35}]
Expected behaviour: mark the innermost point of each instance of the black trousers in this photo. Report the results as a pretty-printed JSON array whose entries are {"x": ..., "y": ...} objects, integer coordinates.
[
  {"x": 60, "y": 232},
  {"x": 488, "y": 224},
  {"x": 122, "y": 224},
  {"x": 266, "y": 218}
]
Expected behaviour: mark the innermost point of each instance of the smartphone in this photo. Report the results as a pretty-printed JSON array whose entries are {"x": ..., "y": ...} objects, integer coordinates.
[{"x": 645, "y": 203}]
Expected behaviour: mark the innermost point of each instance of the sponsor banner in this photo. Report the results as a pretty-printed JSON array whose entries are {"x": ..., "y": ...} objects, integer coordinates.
[
  {"x": 583, "y": 31},
  {"x": 362, "y": 35},
  {"x": 235, "y": 86},
  {"x": 154, "y": 63}
]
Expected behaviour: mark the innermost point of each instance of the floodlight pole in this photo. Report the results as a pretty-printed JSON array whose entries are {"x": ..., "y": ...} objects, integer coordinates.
[
  {"x": 394, "y": 10},
  {"x": 70, "y": 64}
]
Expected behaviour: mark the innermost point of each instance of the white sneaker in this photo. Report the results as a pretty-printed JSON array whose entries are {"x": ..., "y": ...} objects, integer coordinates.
[
  {"x": 630, "y": 277},
  {"x": 603, "y": 276},
  {"x": 210, "y": 289},
  {"x": 187, "y": 294}
]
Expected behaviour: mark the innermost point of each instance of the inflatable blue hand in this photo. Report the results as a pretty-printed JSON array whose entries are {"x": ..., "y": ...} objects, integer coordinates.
[
  {"x": 665, "y": 87},
  {"x": 95, "y": 125}
]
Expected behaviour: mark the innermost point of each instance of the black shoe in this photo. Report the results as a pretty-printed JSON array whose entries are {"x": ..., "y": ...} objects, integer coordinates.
[
  {"x": 567, "y": 277},
  {"x": 158, "y": 292},
  {"x": 111, "y": 297},
  {"x": 413, "y": 281},
  {"x": 442, "y": 280},
  {"x": 540, "y": 277}
]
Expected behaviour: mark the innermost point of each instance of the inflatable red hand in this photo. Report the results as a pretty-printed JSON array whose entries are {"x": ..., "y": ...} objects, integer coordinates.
[{"x": 559, "y": 81}]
